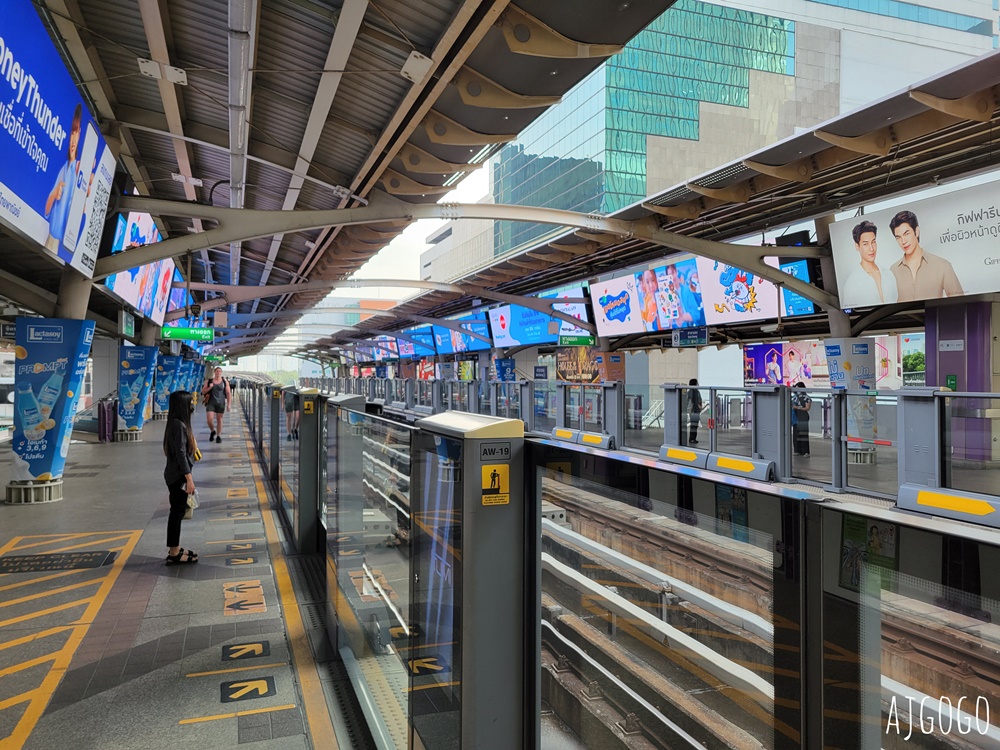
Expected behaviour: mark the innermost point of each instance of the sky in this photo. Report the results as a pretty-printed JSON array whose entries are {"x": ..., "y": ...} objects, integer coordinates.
[{"x": 400, "y": 259}]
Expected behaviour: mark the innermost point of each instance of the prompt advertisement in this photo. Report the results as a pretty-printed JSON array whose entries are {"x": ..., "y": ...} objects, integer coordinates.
[
  {"x": 945, "y": 246},
  {"x": 57, "y": 168},
  {"x": 50, "y": 362},
  {"x": 135, "y": 375},
  {"x": 167, "y": 372}
]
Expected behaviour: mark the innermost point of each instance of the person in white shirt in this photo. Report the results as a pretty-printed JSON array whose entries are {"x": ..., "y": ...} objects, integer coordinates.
[{"x": 868, "y": 284}]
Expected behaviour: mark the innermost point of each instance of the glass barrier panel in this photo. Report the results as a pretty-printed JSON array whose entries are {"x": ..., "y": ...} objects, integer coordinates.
[
  {"x": 573, "y": 406},
  {"x": 513, "y": 400},
  {"x": 288, "y": 456},
  {"x": 731, "y": 421},
  {"x": 971, "y": 444},
  {"x": 380, "y": 384},
  {"x": 545, "y": 405},
  {"x": 643, "y": 416},
  {"x": 696, "y": 417},
  {"x": 913, "y": 660},
  {"x": 670, "y": 611},
  {"x": 436, "y": 605},
  {"x": 458, "y": 396},
  {"x": 368, "y": 544},
  {"x": 812, "y": 446},
  {"x": 265, "y": 431},
  {"x": 872, "y": 455},
  {"x": 593, "y": 408}
]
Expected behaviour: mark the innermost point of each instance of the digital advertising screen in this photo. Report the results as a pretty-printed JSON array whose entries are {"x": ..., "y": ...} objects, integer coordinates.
[
  {"x": 147, "y": 288},
  {"x": 424, "y": 335},
  {"x": 945, "y": 246},
  {"x": 793, "y": 304},
  {"x": 57, "y": 167},
  {"x": 786, "y": 363},
  {"x": 616, "y": 306},
  {"x": 513, "y": 325},
  {"x": 670, "y": 296},
  {"x": 569, "y": 334},
  {"x": 384, "y": 348},
  {"x": 448, "y": 341},
  {"x": 732, "y": 295}
]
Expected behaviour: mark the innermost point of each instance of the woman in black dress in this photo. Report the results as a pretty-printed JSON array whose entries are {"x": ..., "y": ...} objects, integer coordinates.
[{"x": 180, "y": 447}]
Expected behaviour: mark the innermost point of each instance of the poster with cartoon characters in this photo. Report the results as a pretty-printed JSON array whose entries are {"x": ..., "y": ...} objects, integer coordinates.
[{"x": 733, "y": 295}]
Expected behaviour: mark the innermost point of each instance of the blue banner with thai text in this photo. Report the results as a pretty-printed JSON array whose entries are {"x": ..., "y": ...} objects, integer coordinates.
[
  {"x": 135, "y": 376},
  {"x": 50, "y": 362},
  {"x": 57, "y": 167},
  {"x": 167, "y": 371}
]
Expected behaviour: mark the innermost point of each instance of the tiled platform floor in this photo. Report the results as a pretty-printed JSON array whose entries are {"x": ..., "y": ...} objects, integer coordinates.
[{"x": 133, "y": 654}]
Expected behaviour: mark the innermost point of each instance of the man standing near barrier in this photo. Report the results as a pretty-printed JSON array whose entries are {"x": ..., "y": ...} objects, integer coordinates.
[{"x": 218, "y": 398}]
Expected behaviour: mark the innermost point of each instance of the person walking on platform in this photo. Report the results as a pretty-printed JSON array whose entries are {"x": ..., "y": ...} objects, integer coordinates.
[
  {"x": 696, "y": 406},
  {"x": 218, "y": 398},
  {"x": 292, "y": 415},
  {"x": 801, "y": 404},
  {"x": 180, "y": 448}
]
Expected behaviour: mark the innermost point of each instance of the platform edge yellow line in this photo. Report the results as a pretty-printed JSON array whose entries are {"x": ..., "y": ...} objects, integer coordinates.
[{"x": 321, "y": 729}]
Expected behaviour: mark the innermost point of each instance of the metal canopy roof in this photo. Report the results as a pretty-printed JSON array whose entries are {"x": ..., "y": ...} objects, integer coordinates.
[
  {"x": 937, "y": 130},
  {"x": 295, "y": 104}
]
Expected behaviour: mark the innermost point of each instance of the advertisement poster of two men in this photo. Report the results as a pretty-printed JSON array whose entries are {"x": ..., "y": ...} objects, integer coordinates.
[{"x": 946, "y": 246}]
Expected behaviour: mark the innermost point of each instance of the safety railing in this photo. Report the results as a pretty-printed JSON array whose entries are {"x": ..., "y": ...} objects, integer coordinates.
[{"x": 689, "y": 608}]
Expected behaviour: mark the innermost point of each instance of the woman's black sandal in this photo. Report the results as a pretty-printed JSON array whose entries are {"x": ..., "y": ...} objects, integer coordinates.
[{"x": 182, "y": 557}]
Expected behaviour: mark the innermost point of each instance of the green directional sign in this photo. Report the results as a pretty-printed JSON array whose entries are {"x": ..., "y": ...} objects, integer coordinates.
[
  {"x": 188, "y": 334},
  {"x": 212, "y": 358}
]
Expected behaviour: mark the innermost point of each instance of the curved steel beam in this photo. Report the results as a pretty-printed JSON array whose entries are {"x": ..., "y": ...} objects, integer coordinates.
[
  {"x": 230, "y": 294},
  {"x": 881, "y": 313},
  {"x": 244, "y": 224}
]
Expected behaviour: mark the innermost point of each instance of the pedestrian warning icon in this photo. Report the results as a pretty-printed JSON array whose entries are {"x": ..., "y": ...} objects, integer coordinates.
[{"x": 496, "y": 484}]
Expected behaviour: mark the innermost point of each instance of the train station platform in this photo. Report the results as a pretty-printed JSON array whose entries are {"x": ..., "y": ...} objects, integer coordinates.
[{"x": 103, "y": 642}]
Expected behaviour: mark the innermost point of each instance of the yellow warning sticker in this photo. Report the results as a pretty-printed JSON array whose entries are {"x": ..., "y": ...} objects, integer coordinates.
[
  {"x": 307, "y": 407},
  {"x": 496, "y": 484}
]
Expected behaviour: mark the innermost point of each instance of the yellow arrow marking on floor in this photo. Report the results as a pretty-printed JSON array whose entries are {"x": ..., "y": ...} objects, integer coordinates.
[
  {"x": 247, "y": 648},
  {"x": 245, "y": 688},
  {"x": 429, "y": 663}
]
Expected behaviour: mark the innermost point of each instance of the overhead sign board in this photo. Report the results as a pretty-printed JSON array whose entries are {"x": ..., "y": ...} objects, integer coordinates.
[
  {"x": 513, "y": 325},
  {"x": 690, "y": 336},
  {"x": 188, "y": 334},
  {"x": 57, "y": 167}
]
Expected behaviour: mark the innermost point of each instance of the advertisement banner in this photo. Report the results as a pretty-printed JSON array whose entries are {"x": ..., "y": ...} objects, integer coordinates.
[
  {"x": 50, "y": 362},
  {"x": 135, "y": 374},
  {"x": 670, "y": 296},
  {"x": 577, "y": 365},
  {"x": 167, "y": 370},
  {"x": 569, "y": 334},
  {"x": 513, "y": 325},
  {"x": 616, "y": 306},
  {"x": 57, "y": 168},
  {"x": 466, "y": 370},
  {"x": 786, "y": 364},
  {"x": 505, "y": 370},
  {"x": 851, "y": 363},
  {"x": 945, "y": 246},
  {"x": 610, "y": 367},
  {"x": 732, "y": 295},
  {"x": 852, "y": 366},
  {"x": 425, "y": 369}
]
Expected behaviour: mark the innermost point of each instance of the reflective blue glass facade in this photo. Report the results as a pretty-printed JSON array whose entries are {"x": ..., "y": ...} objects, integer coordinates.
[
  {"x": 946, "y": 19},
  {"x": 589, "y": 152}
]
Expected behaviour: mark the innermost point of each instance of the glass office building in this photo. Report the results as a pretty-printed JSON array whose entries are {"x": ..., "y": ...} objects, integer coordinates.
[
  {"x": 589, "y": 153},
  {"x": 707, "y": 74}
]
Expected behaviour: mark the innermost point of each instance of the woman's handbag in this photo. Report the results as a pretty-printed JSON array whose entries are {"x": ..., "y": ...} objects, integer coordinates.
[{"x": 192, "y": 504}]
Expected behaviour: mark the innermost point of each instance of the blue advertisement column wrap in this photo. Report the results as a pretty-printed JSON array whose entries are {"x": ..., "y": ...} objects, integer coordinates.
[
  {"x": 167, "y": 372},
  {"x": 135, "y": 375},
  {"x": 51, "y": 359}
]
